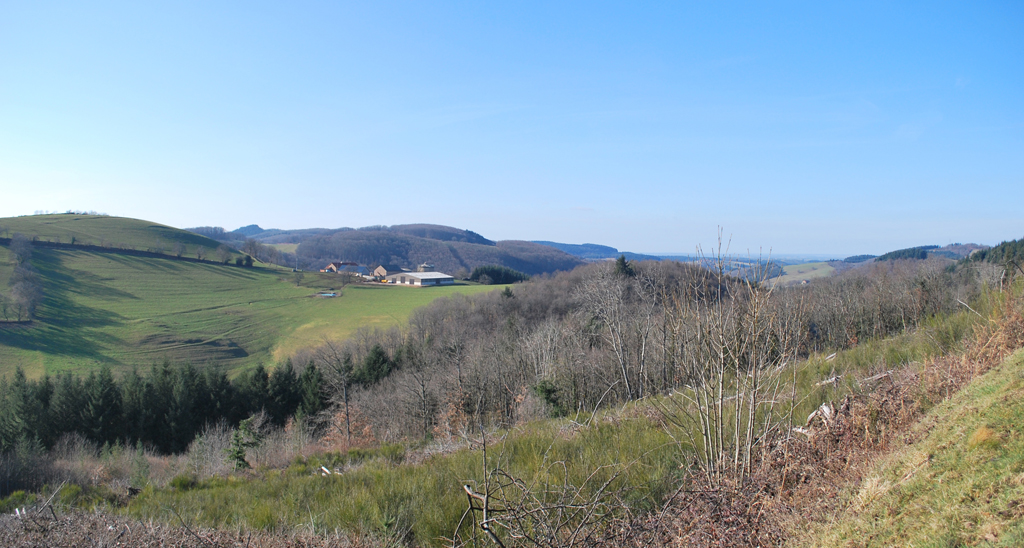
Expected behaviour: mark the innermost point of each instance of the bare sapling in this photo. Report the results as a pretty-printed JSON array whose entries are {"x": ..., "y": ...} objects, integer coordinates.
[{"x": 733, "y": 346}]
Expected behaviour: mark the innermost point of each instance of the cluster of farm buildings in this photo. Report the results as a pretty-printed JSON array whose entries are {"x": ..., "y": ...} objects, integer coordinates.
[{"x": 424, "y": 275}]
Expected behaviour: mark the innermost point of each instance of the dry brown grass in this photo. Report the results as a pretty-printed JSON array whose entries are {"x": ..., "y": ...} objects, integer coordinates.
[{"x": 78, "y": 528}]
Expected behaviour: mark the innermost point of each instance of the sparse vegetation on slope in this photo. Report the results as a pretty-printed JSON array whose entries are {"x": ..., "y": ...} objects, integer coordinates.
[{"x": 961, "y": 483}]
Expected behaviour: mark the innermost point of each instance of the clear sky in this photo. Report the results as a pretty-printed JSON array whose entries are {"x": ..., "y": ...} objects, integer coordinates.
[{"x": 800, "y": 127}]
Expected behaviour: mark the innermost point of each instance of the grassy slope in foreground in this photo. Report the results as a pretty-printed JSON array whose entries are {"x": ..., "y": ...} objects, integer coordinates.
[
  {"x": 426, "y": 499},
  {"x": 130, "y": 311},
  {"x": 961, "y": 484}
]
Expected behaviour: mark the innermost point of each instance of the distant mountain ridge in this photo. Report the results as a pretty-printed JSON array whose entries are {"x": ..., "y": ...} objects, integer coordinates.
[
  {"x": 449, "y": 250},
  {"x": 955, "y": 251},
  {"x": 596, "y": 252}
]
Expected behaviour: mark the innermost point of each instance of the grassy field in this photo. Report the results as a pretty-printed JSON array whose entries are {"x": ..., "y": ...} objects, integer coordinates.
[
  {"x": 960, "y": 484},
  {"x": 286, "y": 248},
  {"x": 128, "y": 311},
  {"x": 422, "y": 502},
  {"x": 795, "y": 273},
  {"x": 104, "y": 231}
]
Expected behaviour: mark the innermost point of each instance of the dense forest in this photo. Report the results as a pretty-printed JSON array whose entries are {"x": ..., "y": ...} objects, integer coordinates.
[
  {"x": 492, "y": 274},
  {"x": 918, "y": 253},
  {"x": 1006, "y": 253},
  {"x": 163, "y": 409}
]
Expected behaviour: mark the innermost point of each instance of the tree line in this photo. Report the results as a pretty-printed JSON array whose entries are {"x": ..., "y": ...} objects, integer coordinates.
[
  {"x": 164, "y": 409},
  {"x": 496, "y": 274},
  {"x": 1007, "y": 254},
  {"x": 919, "y": 253}
]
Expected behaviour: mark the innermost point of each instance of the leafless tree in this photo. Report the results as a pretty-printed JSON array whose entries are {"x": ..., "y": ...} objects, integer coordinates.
[
  {"x": 336, "y": 363},
  {"x": 625, "y": 307},
  {"x": 223, "y": 253}
]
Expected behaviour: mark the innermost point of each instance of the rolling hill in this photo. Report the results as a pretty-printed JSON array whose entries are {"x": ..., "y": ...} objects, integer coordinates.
[
  {"x": 106, "y": 232},
  {"x": 132, "y": 308},
  {"x": 597, "y": 252},
  {"x": 449, "y": 250}
]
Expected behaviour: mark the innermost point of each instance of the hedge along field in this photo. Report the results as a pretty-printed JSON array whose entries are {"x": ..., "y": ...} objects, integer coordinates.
[{"x": 129, "y": 311}]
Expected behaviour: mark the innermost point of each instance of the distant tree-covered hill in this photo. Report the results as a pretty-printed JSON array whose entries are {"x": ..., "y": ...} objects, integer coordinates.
[
  {"x": 449, "y": 249},
  {"x": 920, "y": 252},
  {"x": 952, "y": 251},
  {"x": 443, "y": 233},
  {"x": 597, "y": 252},
  {"x": 858, "y": 258},
  {"x": 1004, "y": 253}
]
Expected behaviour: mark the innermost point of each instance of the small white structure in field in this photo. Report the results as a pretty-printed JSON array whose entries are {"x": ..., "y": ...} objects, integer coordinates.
[{"x": 421, "y": 278}]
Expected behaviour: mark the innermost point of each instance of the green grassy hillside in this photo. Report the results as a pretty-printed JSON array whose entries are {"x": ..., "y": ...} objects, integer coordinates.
[
  {"x": 105, "y": 231},
  {"x": 126, "y": 311},
  {"x": 960, "y": 484}
]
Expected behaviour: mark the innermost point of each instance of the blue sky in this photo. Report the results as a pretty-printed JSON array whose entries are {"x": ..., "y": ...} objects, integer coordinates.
[{"x": 798, "y": 127}]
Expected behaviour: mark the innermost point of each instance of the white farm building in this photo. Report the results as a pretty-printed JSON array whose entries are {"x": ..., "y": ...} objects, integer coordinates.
[{"x": 421, "y": 278}]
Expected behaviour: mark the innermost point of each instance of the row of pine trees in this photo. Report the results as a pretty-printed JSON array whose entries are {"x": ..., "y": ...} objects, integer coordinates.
[{"x": 164, "y": 409}]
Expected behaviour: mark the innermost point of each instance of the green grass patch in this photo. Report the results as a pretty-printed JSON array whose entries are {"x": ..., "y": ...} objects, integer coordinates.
[
  {"x": 796, "y": 273},
  {"x": 962, "y": 484},
  {"x": 128, "y": 311},
  {"x": 105, "y": 231},
  {"x": 426, "y": 499},
  {"x": 286, "y": 248}
]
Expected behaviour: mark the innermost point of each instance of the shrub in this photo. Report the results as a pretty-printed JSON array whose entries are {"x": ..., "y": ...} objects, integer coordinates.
[
  {"x": 17, "y": 499},
  {"x": 183, "y": 482}
]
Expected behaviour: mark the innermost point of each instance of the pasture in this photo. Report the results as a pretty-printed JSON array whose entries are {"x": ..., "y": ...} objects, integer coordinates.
[
  {"x": 105, "y": 231},
  {"x": 795, "y": 273},
  {"x": 285, "y": 248},
  {"x": 129, "y": 311}
]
